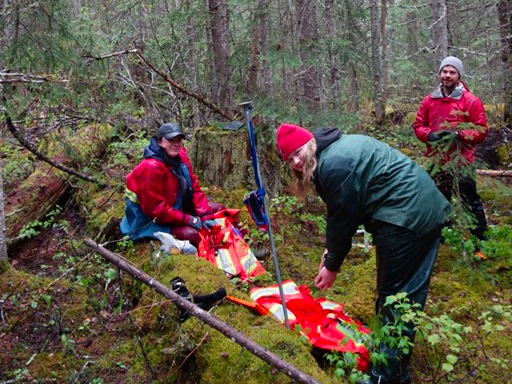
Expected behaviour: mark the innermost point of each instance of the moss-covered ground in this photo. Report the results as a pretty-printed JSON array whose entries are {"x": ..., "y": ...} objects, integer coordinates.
[{"x": 68, "y": 316}]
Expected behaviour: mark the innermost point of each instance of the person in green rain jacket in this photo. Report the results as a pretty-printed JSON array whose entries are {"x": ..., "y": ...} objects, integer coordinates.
[{"x": 363, "y": 181}]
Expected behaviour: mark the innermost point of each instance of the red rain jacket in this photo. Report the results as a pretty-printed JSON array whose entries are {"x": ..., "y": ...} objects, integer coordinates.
[
  {"x": 438, "y": 113},
  {"x": 156, "y": 187}
]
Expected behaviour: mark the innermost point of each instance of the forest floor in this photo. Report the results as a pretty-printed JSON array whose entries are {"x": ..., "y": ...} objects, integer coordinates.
[{"x": 68, "y": 316}]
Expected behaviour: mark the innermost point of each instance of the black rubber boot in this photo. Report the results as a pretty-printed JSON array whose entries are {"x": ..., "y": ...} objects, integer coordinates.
[
  {"x": 477, "y": 209},
  {"x": 396, "y": 372}
]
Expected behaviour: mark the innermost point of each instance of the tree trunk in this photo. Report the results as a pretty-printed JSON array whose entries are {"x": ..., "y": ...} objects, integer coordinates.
[
  {"x": 354, "y": 81},
  {"x": 505, "y": 15},
  {"x": 267, "y": 83},
  {"x": 493, "y": 173},
  {"x": 220, "y": 45},
  {"x": 259, "y": 37},
  {"x": 377, "y": 64},
  {"x": 308, "y": 53},
  {"x": 223, "y": 159},
  {"x": 334, "y": 62},
  {"x": 439, "y": 31},
  {"x": 191, "y": 57},
  {"x": 384, "y": 44},
  {"x": 3, "y": 233}
]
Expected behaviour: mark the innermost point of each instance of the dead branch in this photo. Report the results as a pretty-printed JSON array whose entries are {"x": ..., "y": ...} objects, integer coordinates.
[
  {"x": 184, "y": 90},
  {"x": 194, "y": 310},
  {"x": 167, "y": 79},
  {"x": 9, "y": 77},
  {"x": 44, "y": 158},
  {"x": 493, "y": 173},
  {"x": 113, "y": 54}
]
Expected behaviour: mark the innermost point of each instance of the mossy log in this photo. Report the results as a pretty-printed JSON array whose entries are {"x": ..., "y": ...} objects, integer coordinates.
[
  {"x": 222, "y": 158},
  {"x": 37, "y": 195},
  {"x": 228, "y": 331}
]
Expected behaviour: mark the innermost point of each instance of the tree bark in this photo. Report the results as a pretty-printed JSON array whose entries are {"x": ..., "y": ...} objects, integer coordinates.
[
  {"x": 220, "y": 45},
  {"x": 439, "y": 31},
  {"x": 384, "y": 44},
  {"x": 332, "y": 51},
  {"x": 377, "y": 64},
  {"x": 493, "y": 173},
  {"x": 258, "y": 40},
  {"x": 238, "y": 337},
  {"x": 505, "y": 20},
  {"x": 354, "y": 74},
  {"x": 191, "y": 57},
  {"x": 3, "y": 233},
  {"x": 223, "y": 159},
  {"x": 308, "y": 53}
]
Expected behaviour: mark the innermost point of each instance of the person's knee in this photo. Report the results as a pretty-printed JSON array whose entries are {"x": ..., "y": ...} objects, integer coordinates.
[
  {"x": 216, "y": 207},
  {"x": 186, "y": 233}
]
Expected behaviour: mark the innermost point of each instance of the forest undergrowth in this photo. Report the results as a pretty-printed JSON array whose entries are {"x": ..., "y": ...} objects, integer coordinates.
[{"x": 67, "y": 315}]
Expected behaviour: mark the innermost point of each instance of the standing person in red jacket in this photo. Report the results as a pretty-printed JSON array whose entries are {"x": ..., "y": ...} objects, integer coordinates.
[
  {"x": 452, "y": 120},
  {"x": 163, "y": 194}
]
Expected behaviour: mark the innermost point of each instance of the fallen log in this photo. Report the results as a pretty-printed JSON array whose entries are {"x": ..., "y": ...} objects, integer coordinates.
[
  {"x": 239, "y": 338},
  {"x": 39, "y": 193},
  {"x": 493, "y": 173}
]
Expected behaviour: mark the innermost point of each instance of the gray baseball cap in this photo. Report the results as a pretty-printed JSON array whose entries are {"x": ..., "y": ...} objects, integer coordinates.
[{"x": 170, "y": 131}]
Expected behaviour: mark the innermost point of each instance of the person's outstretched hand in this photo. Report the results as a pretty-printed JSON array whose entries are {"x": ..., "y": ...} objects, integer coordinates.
[{"x": 325, "y": 279}]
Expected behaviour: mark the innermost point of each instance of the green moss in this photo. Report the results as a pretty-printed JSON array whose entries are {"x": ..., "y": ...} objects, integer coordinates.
[
  {"x": 4, "y": 266},
  {"x": 56, "y": 365},
  {"x": 503, "y": 155},
  {"x": 227, "y": 362},
  {"x": 195, "y": 352}
]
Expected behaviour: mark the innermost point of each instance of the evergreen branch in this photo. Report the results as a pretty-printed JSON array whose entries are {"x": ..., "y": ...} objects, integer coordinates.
[{"x": 46, "y": 159}]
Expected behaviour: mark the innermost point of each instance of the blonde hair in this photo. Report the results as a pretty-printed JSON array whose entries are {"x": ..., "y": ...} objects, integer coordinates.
[{"x": 303, "y": 181}]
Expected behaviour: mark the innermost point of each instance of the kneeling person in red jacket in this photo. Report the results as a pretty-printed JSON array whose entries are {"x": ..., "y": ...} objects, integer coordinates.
[{"x": 163, "y": 194}]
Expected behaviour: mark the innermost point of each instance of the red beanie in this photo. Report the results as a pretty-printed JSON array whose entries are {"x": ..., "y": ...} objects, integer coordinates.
[{"x": 290, "y": 137}]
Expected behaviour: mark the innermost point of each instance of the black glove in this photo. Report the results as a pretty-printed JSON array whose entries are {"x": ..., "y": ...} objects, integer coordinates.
[
  {"x": 209, "y": 224},
  {"x": 204, "y": 301},
  {"x": 435, "y": 136},
  {"x": 195, "y": 222},
  {"x": 178, "y": 286}
]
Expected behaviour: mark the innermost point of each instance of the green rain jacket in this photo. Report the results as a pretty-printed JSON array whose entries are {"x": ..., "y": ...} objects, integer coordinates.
[{"x": 365, "y": 181}]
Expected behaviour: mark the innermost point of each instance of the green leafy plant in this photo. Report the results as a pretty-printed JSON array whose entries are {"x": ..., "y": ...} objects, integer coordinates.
[
  {"x": 68, "y": 344},
  {"x": 33, "y": 228},
  {"x": 451, "y": 349},
  {"x": 20, "y": 374},
  {"x": 286, "y": 204},
  {"x": 318, "y": 220},
  {"x": 454, "y": 349}
]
